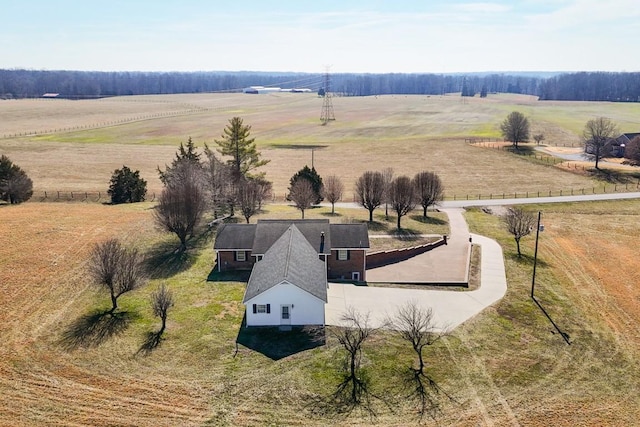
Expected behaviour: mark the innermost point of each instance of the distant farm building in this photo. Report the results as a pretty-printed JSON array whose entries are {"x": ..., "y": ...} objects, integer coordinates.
[{"x": 262, "y": 89}]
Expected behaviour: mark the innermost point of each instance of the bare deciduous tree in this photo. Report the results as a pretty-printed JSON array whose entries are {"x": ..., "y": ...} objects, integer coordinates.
[
  {"x": 302, "y": 194},
  {"x": 116, "y": 268},
  {"x": 249, "y": 194},
  {"x": 538, "y": 138},
  {"x": 333, "y": 189},
  {"x": 387, "y": 176},
  {"x": 515, "y": 128},
  {"x": 355, "y": 331},
  {"x": 370, "y": 191},
  {"x": 520, "y": 223},
  {"x": 161, "y": 302},
  {"x": 596, "y": 134},
  {"x": 401, "y": 197},
  {"x": 181, "y": 205},
  {"x": 429, "y": 189},
  {"x": 416, "y": 325}
]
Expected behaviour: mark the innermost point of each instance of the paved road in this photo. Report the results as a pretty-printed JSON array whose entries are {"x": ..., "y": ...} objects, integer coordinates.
[
  {"x": 450, "y": 308},
  {"x": 519, "y": 201},
  {"x": 535, "y": 200}
]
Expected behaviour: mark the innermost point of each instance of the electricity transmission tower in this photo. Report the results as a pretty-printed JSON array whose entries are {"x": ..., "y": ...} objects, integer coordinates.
[{"x": 327, "y": 105}]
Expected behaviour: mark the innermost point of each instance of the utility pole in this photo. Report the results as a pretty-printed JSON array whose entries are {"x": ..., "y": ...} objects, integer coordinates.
[
  {"x": 535, "y": 256},
  {"x": 327, "y": 105}
]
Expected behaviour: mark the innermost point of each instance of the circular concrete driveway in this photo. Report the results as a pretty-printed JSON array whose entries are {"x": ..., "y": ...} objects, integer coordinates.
[{"x": 450, "y": 308}]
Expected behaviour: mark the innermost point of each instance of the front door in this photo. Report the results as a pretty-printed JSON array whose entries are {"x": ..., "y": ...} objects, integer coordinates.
[{"x": 285, "y": 314}]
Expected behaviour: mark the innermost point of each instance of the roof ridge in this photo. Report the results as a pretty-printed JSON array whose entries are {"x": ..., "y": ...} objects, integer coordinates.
[{"x": 288, "y": 259}]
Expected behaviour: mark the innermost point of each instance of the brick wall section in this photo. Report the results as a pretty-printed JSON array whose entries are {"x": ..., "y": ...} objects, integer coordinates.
[
  {"x": 343, "y": 269},
  {"x": 379, "y": 259},
  {"x": 227, "y": 261}
]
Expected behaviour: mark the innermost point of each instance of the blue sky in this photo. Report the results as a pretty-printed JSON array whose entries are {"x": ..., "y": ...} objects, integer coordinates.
[{"x": 375, "y": 36}]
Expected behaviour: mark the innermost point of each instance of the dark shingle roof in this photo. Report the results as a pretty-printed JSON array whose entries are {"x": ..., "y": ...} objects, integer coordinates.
[
  {"x": 349, "y": 236},
  {"x": 269, "y": 230},
  {"x": 235, "y": 236},
  {"x": 261, "y": 236},
  {"x": 291, "y": 258}
]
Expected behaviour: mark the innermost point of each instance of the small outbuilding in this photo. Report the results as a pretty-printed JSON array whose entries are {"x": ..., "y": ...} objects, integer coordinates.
[{"x": 288, "y": 285}]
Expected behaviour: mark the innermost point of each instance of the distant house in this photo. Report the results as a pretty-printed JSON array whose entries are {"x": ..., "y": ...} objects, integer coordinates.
[
  {"x": 624, "y": 140},
  {"x": 342, "y": 247},
  {"x": 614, "y": 147},
  {"x": 289, "y": 285}
]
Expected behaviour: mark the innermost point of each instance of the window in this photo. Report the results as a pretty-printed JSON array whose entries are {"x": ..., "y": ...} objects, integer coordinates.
[
  {"x": 343, "y": 255},
  {"x": 261, "y": 308},
  {"x": 241, "y": 256}
]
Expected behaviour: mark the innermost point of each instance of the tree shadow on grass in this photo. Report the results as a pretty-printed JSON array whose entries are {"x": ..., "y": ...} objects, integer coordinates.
[
  {"x": 331, "y": 215},
  {"x": 228, "y": 276},
  {"x": 166, "y": 260},
  {"x": 277, "y": 344},
  {"x": 378, "y": 226},
  {"x": 614, "y": 176},
  {"x": 92, "y": 329},
  {"x": 352, "y": 394},
  {"x": 425, "y": 393},
  {"x": 405, "y": 234},
  {"x": 151, "y": 342},
  {"x": 521, "y": 150},
  {"x": 525, "y": 259},
  {"x": 428, "y": 220}
]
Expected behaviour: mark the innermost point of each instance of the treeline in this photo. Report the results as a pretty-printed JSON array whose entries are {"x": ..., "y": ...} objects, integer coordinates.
[
  {"x": 619, "y": 87},
  {"x": 591, "y": 86}
]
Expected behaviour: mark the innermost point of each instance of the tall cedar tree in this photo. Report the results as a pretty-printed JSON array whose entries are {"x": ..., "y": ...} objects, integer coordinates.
[
  {"x": 186, "y": 154},
  {"x": 126, "y": 186},
  {"x": 597, "y": 132},
  {"x": 429, "y": 189},
  {"x": 515, "y": 128},
  {"x": 237, "y": 144},
  {"x": 314, "y": 179},
  {"x": 15, "y": 184},
  {"x": 370, "y": 191}
]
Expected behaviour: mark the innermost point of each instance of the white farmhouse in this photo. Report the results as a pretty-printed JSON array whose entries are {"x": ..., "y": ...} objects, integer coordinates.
[{"x": 288, "y": 285}]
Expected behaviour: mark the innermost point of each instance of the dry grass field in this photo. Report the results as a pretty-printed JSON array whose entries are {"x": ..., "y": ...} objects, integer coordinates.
[
  {"x": 407, "y": 133},
  {"x": 61, "y": 363}
]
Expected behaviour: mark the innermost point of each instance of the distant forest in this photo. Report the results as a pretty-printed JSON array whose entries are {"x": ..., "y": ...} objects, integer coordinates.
[{"x": 583, "y": 86}]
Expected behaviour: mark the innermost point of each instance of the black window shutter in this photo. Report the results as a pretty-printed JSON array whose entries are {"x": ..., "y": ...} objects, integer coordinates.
[
  {"x": 348, "y": 255},
  {"x": 268, "y": 308},
  {"x": 255, "y": 309}
]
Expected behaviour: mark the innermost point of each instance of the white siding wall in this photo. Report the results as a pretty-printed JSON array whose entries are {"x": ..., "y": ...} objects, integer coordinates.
[{"x": 307, "y": 309}]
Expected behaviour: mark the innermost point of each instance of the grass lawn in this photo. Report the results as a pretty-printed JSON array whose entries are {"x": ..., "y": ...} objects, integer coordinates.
[{"x": 506, "y": 364}]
